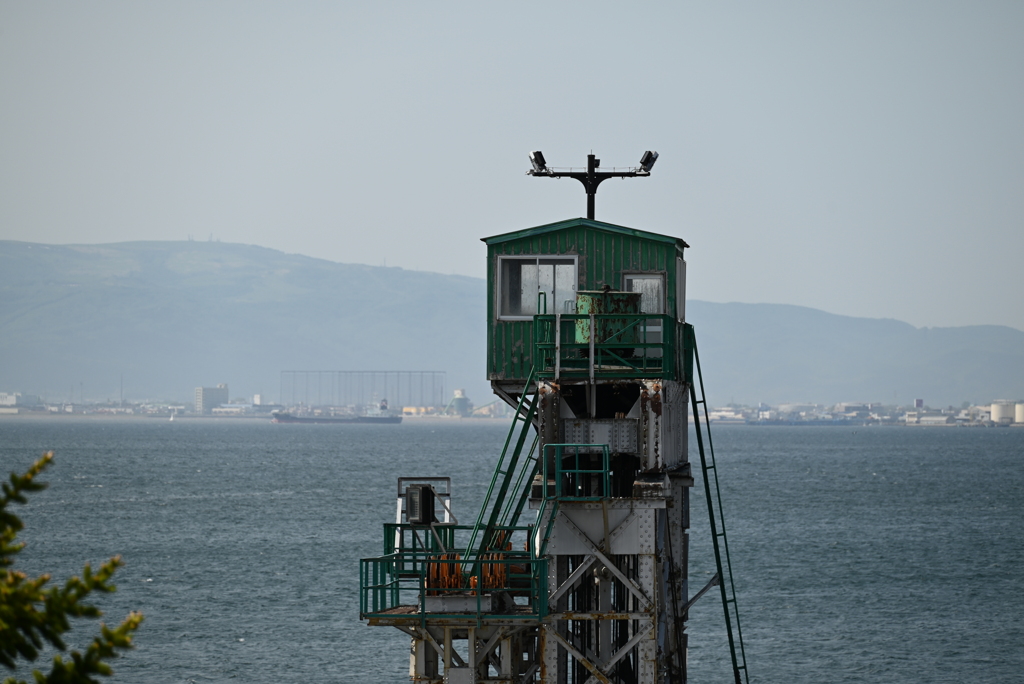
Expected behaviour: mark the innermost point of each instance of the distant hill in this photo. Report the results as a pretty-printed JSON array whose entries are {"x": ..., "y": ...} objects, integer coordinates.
[
  {"x": 170, "y": 316},
  {"x": 779, "y": 353}
]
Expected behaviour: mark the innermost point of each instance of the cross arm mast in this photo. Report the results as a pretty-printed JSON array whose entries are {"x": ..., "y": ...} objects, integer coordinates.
[{"x": 591, "y": 178}]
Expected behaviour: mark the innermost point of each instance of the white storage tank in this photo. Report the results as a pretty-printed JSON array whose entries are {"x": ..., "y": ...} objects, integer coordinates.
[
  {"x": 1002, "y": 412},
  {"x": 1019, "y": 417}
]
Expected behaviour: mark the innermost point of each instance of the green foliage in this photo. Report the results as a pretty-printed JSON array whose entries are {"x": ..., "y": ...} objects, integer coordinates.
[{"x": 32, "y": 616}]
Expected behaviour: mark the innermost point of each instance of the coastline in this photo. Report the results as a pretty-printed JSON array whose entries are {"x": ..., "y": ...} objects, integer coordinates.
[{"x": 41, "y": 416}]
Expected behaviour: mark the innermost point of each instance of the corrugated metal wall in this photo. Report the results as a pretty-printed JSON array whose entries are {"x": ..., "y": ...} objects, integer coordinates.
[{"x": 603, "y": 257}]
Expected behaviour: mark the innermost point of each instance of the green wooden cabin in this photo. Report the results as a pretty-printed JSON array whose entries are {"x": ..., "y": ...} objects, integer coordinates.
[{"x": 538, "y": 272}]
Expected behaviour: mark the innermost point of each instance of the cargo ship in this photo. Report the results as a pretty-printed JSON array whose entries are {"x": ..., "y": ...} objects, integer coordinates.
[
  {"x": 285, "y": 417},
  {"x": 378, "y": 415}
]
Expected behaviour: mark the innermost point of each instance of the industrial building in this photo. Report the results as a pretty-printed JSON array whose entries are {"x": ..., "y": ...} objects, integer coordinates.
[{"x": 208, "y": 398}]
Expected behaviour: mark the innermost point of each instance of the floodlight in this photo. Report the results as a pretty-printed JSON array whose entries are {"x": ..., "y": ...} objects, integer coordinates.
[
  {"x": 537, "y": 159},
  {"x": 647, "y": 161}
]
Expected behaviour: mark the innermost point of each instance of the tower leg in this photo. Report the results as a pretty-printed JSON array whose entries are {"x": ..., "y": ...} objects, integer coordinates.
[{"x": 422, "y": 661}]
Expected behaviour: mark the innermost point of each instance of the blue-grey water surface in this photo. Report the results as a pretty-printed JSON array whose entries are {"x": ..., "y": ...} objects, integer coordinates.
[{"x": 861, "y": 555}]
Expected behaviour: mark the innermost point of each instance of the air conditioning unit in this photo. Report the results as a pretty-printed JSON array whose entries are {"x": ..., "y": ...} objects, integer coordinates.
[{"x": 419, "y": 504}]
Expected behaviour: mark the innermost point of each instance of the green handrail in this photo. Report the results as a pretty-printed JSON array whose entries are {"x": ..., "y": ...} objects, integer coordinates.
[
  {"x": 491, "y": 510},
  {"x": 575, "y": 476},
  {"x": 552, "y": 499},
  {"x": 511, "y": 513},
  {"x": 551, "y": 350}
]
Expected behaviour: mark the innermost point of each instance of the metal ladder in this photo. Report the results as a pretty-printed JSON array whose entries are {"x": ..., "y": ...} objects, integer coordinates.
[
  {"x": 494, "y": 508},
  {"x": 714, "y": 499}
]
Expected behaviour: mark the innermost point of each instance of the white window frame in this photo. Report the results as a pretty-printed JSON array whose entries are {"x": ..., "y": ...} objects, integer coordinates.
[{"x": 499, "y": 281}]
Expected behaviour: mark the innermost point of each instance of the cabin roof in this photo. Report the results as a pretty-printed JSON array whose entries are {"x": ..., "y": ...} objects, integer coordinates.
[{"x": 587, "y": 223}]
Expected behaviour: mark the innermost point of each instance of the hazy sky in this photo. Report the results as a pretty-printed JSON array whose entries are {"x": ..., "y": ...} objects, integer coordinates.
[{"x": 865, "y": 158}]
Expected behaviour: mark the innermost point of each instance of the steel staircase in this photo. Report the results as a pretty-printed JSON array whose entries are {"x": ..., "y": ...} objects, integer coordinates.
[
  {"x": 495, "y": 511},
  {"x": 714, "y": 499}
]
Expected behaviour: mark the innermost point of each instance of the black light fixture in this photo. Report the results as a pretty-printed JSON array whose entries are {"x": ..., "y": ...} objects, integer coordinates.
[
  {"x": 591, "y": 178},
  {"x": 537, "y": 159},
  {"x": 647, "y": 161}
]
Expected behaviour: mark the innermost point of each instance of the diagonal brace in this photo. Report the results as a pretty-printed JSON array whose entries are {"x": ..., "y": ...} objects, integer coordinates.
[
  {"x": 646, "y": 603},
  {"x": 573, "y": 579},
  {"x": 628, "y": 646},
  {"x": 594, "y": 670}
]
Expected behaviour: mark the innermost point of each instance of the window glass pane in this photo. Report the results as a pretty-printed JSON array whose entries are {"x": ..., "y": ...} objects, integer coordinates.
[
  {"x": 511, "y": 286},
  {"x": 508, "y": 281},
  {"x": 565, "y": 288},
  {"x": 546, "y": 284},
  {"x": 521, "y": 280},
  {"x": 652, "y": 299},
  {"x": 528, "y": 293}
]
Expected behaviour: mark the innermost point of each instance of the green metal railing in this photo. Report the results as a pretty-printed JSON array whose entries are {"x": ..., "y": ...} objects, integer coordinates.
[
  {"x": 442, "y": 538},
  {"x": 615, "y": 345},
  {"x": 714, "y": 501},
  {"x": 402, "y": 538},
  {"x": 581, "y": 482},
  {"x": 578, "y": 483},
  {"x": 385, "y": 584}
]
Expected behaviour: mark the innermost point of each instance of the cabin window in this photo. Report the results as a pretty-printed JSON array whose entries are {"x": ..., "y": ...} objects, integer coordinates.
[
  {"x": 524, "y": 283},
  {"x": 652, "y": 289}
]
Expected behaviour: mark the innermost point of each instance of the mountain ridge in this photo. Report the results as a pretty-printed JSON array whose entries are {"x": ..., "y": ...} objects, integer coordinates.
[{"x": 170, "y": 316}]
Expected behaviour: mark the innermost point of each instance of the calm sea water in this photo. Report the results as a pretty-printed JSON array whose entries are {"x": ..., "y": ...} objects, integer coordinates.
[{"x": 861, "y": 555}]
